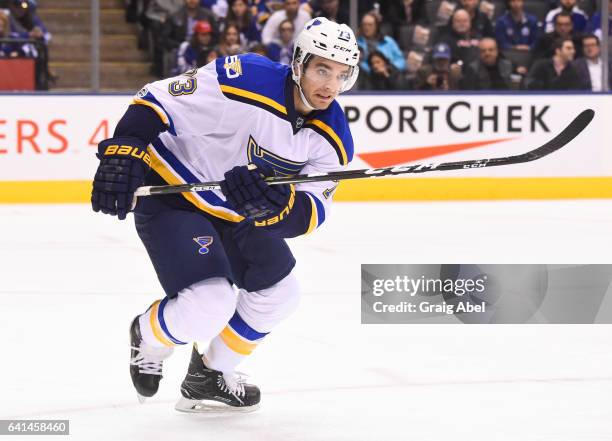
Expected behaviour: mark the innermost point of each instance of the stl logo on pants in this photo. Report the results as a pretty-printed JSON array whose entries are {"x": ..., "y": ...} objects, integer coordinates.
[{"x": 204, "y": 242}]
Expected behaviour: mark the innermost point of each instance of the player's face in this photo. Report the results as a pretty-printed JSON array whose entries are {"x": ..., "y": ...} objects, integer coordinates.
[{"x": 323, "y": 80}]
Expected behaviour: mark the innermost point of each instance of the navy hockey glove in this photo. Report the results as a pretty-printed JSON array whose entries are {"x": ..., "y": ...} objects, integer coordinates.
[
  {"x": 124, "y": 162},
  {"x": 252, "y": 197}
]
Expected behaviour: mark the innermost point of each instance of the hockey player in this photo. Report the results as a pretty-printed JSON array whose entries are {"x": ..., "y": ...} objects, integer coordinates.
[{"x": 211, "y": 124}]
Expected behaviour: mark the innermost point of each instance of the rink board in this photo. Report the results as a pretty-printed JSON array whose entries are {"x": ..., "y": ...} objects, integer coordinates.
[{"x": 47, "y": 145}]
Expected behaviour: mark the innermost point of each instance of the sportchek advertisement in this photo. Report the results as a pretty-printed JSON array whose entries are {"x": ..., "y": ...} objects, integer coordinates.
[{"x": 52, "y": 138}]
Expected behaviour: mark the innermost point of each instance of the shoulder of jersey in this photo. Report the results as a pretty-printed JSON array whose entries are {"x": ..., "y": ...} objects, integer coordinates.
[
  {"x": 253, "y": 79},
  {"x": 259, "y": 81},
  {"x": 331, "y": 124}
]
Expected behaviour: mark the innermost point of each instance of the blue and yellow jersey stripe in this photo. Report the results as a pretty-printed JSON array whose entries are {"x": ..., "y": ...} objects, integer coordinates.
[
  {"x": 256, "y": 99},
  {"x": 331, "y": 124},
  {"x": 255, "y": 80},
  {"x": 331, "y": 136},
  {"x": 317, "y": 213},
  {"x": 171, "y": 170},
  {"x": 150, "y": 101}
]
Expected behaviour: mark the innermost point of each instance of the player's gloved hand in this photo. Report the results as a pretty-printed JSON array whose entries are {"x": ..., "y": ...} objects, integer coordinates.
[
  {"x": 251, "y": 196},
  {"x": 124, "y": 162}
]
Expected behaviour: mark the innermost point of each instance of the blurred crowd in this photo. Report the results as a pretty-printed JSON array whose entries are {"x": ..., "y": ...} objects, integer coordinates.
[
  {"x": 404, "y": 44},
  {"x": 23, "y": 35}
]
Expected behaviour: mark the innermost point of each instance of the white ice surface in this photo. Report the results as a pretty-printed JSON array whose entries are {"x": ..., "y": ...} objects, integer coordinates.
[{"x": 71, "y": 281}]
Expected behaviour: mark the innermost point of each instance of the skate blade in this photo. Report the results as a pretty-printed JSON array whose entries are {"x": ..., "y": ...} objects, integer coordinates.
[
  {"x": 141, "y": 398},
  {"x": 210, "y": 407}
]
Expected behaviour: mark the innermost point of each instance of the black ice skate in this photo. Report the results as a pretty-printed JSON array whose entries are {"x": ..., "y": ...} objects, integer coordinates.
[
  {"x": 206, "y": 390},
  {"x": 145, "y": 363}
]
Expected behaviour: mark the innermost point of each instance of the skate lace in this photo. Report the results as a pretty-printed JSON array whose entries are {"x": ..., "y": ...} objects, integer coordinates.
[
  {"x": 233, "y": 384},
  {"x": 149, "y": 359}
]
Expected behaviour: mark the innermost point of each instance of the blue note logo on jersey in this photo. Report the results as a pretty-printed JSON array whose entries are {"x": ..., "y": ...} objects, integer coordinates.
[
  {"x": 269, "y": 163},
  {"x": 204, "y": 242},
  {"x": 233, "y": 66}
]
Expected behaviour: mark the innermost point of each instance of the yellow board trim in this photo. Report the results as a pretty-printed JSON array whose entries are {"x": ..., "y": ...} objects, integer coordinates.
[
  {"x": 254, "y": 96},
  {"x": 314, "y": 218},
  {"x": 381, "y": 189},
  {"x": 327, "y": 129},
  {"x": 170, "y": 178},
  {"x": 162, "y": 115},
  {"x": 157, "y": 331},
  {"x": 235, "y": 343},
  {"x": 470, "y": 189}
]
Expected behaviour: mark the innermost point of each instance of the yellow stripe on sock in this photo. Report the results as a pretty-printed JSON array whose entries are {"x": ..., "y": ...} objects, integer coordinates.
[
  {"x": 235, "y": 343},
  {"x": 157, "y": 331}
]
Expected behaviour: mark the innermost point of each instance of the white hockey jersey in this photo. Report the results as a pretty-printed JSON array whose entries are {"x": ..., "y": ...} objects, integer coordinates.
[{"x": 239, "y": 110}]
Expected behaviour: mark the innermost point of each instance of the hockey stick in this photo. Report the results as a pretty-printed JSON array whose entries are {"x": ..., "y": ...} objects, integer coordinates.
[{"x": 563, "y": 138}]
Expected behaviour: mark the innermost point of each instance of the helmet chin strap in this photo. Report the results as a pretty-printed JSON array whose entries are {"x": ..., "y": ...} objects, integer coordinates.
[
  {"x": 297, "y": 79},
  {"x": 304, "y": 100}
]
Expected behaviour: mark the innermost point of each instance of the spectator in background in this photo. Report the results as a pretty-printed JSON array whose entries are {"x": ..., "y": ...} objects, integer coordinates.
[
  {"x": 193, "y": 53},
  {"x": 230, "y": 43},
  {"x": 589, "y": 67},
  {"x": 480, "y": 23},
  {"x": 331, "y": 10},
  {"x": 24, "y": 23},
  {"x": 440, "y": 74},
  {"x": 461, "y": 38},
  {"x": 8, "y": 50},
  {"x": 156, "y": 15},
  {"x": 402, "y": 13},
  {"x": 338, "y": 10},
  {"x": 259, "y": 49},
  {"x": 594, "y": 26},
  {"x": 282, "y": 51},
  {"x": 179, "y": 26},
  {"x": 490, "y": 71},
  {"x": 564, "y": 28},
  {"x": 371, "y": 40},
  {"x": 240, "y": 13},
  {"x": 557, "y": 72},
  {"x": 384, "y": 76},
  {"x": 579, "y": 18},
  {"x": 292, "y": 11},
  {"x": 516, "y": 29},
  {"x": 219, "y": 7}
]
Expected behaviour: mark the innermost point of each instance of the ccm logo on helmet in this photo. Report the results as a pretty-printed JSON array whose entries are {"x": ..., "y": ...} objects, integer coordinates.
[{"x": 342, "y": 48}]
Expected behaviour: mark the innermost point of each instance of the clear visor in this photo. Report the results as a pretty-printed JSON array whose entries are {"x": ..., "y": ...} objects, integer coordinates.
[{"x": 335, "y": 82}]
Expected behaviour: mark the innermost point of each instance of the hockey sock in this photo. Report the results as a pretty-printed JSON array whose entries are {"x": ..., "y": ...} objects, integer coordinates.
[{"x": 198, "y": 312}]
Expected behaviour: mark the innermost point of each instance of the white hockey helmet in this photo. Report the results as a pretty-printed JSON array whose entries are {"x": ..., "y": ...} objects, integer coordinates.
[{"x": 329, "y": 40}]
